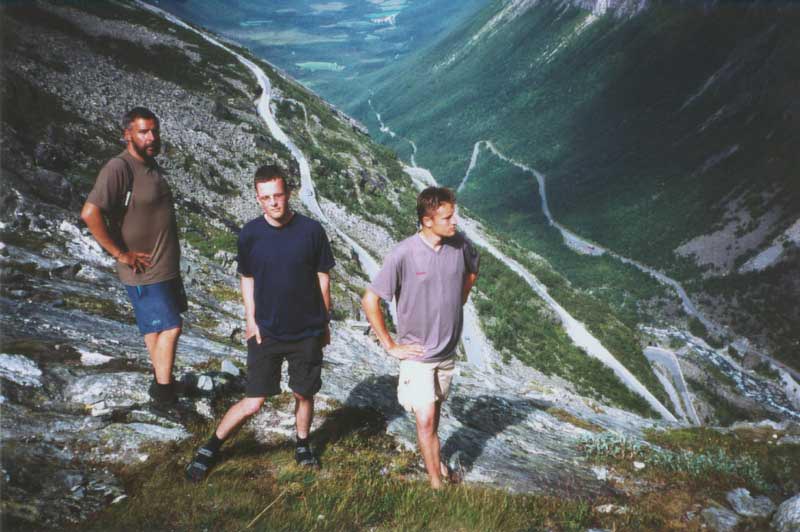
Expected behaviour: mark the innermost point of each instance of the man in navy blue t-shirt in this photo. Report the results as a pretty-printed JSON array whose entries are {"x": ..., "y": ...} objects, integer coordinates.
[{"x": 284, "y": 260}]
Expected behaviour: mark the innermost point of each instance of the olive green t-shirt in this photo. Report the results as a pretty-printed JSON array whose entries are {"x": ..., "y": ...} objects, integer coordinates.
[{"x": 149, "y": 224}]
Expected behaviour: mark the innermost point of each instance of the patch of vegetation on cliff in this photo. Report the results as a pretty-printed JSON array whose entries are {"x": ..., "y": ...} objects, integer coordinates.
[
  {"x": 687, "y": 469},
  {"x": 225, "y": 292},
  {"x": 347, "y": 282},
  {"x": 566, "y": 417},
  {"x": 778, "y": 463},
  {"x": 520, "y": 325},
  {"x": 107, "y": 308},
  {"x": 703, "y": 461},
  {"x": 620, "y": 339},
  {"x": 206, "y": 237}
]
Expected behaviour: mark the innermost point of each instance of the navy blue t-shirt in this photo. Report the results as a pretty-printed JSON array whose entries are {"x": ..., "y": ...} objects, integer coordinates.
[{"x": 283, "y": 262}]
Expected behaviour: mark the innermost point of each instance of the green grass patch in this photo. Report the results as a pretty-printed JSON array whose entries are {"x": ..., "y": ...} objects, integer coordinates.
[
  {"x": 224, "y": 292},
  {"x": 365, "y": 483},
  {"x": 711, "y": 466},
  {"x": 778, "y": 465},
  {"x": 107, "y": 308},
  {"x": 205, "y": 237},
  {"x": 563, "y": 415}
]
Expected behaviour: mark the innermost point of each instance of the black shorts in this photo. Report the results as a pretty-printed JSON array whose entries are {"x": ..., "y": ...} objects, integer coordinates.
[{"x": 264, "y": 362}]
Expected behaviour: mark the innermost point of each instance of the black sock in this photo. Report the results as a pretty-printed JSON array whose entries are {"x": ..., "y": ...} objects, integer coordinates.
[
  {"x": 213, "y": 444},
  {"x": 164, "y": 392},
  {"x": 302, "y": 442}
]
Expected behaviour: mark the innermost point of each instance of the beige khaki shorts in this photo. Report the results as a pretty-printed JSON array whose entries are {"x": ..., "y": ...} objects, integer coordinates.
[{"x": 423, "y": 383}]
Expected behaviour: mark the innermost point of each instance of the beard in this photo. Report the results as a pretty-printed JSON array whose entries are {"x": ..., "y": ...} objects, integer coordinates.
[{"x": 147, "y": 152}]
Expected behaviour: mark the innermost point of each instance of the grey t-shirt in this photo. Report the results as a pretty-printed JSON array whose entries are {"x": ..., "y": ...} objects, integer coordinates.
[
  {"x": 149, "y": 224},
  {"x": 427, "y": 285}
]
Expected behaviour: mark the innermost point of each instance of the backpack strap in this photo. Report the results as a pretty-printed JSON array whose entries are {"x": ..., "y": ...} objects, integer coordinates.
[
  {"x": 128, "y": 185},
  {"x": 116, "y": 219}
]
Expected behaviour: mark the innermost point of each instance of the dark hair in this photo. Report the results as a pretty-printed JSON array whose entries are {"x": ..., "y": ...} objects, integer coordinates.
[
  {"x": 430, "y": 199},
  {"x": 271, "y": 172},
  {"x": 137, "y": 113}
]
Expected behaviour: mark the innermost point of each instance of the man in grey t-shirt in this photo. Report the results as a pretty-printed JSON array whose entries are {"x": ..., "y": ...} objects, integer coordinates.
[{"x": 430, "y": 275}]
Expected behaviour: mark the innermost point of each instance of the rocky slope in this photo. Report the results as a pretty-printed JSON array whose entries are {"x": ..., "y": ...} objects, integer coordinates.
[{"x": 73, "y": 368}]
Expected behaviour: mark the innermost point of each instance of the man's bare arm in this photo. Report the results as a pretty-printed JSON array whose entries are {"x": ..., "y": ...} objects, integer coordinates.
[
  {"x": 248, "y": 298},
  {"x": 325, "y": 288},
  {"x": 469, "y": 282},
  {"x": 93, "y": 217},
  {"x": 371, "y": 303}
]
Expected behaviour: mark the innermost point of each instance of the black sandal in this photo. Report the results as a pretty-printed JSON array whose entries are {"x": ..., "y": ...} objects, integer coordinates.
[
  {"x": 305, "y": 457},
  {"x": 202, "y": 463}
]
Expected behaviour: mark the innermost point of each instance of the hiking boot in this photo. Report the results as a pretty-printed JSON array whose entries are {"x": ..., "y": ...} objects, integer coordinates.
[
  {"x": 304, "y": 456},
  {"x": 162, "y": 394},
  {"x": 201, "y": 464}
]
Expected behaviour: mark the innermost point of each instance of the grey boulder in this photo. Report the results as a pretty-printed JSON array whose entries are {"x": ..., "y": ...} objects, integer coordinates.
[
  {"x": 744, "y": 504},
  {"x": 787, "y": 517}
]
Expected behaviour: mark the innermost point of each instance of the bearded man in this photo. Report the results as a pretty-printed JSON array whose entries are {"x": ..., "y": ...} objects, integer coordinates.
[{"x": 131, "y": 215}]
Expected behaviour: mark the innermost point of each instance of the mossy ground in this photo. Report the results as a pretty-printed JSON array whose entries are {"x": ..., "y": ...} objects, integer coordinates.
[
  {"x": 365, "y": 483},
  {"x": 687, "y": 470},
  {"x": 368, "y": 482}
]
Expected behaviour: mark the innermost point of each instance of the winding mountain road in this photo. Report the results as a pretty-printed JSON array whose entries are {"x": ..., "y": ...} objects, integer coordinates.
[
  {"x": 582, "y": 245},
  {"x": 669, "y": 361},
  {"x": 576, "y": 330}
]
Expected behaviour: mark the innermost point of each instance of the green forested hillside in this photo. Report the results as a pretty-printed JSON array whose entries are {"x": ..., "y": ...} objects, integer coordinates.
[{"x": 652, "y": 130}]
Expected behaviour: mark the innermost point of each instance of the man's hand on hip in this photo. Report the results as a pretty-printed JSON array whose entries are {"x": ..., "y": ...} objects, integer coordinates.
[
  {"x": 404, "y": 351},
  {"x": 138, "y": 261}
]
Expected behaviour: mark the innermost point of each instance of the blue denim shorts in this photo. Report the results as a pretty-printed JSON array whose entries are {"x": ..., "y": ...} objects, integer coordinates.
[{"x": 158, "y": 306}]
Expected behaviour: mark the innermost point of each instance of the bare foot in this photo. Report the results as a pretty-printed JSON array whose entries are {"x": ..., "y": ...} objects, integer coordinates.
[{"x": 450, "y": 475}]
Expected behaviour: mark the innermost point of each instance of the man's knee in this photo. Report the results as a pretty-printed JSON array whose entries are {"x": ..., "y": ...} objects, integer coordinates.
[
  {"x": 251, "y": 405},
  {"x": 302, "y": 398},
  {"x": 168, "y": 334},
  {"x": 175, "y": 332},
  {"x": 426, "y": 420}
]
